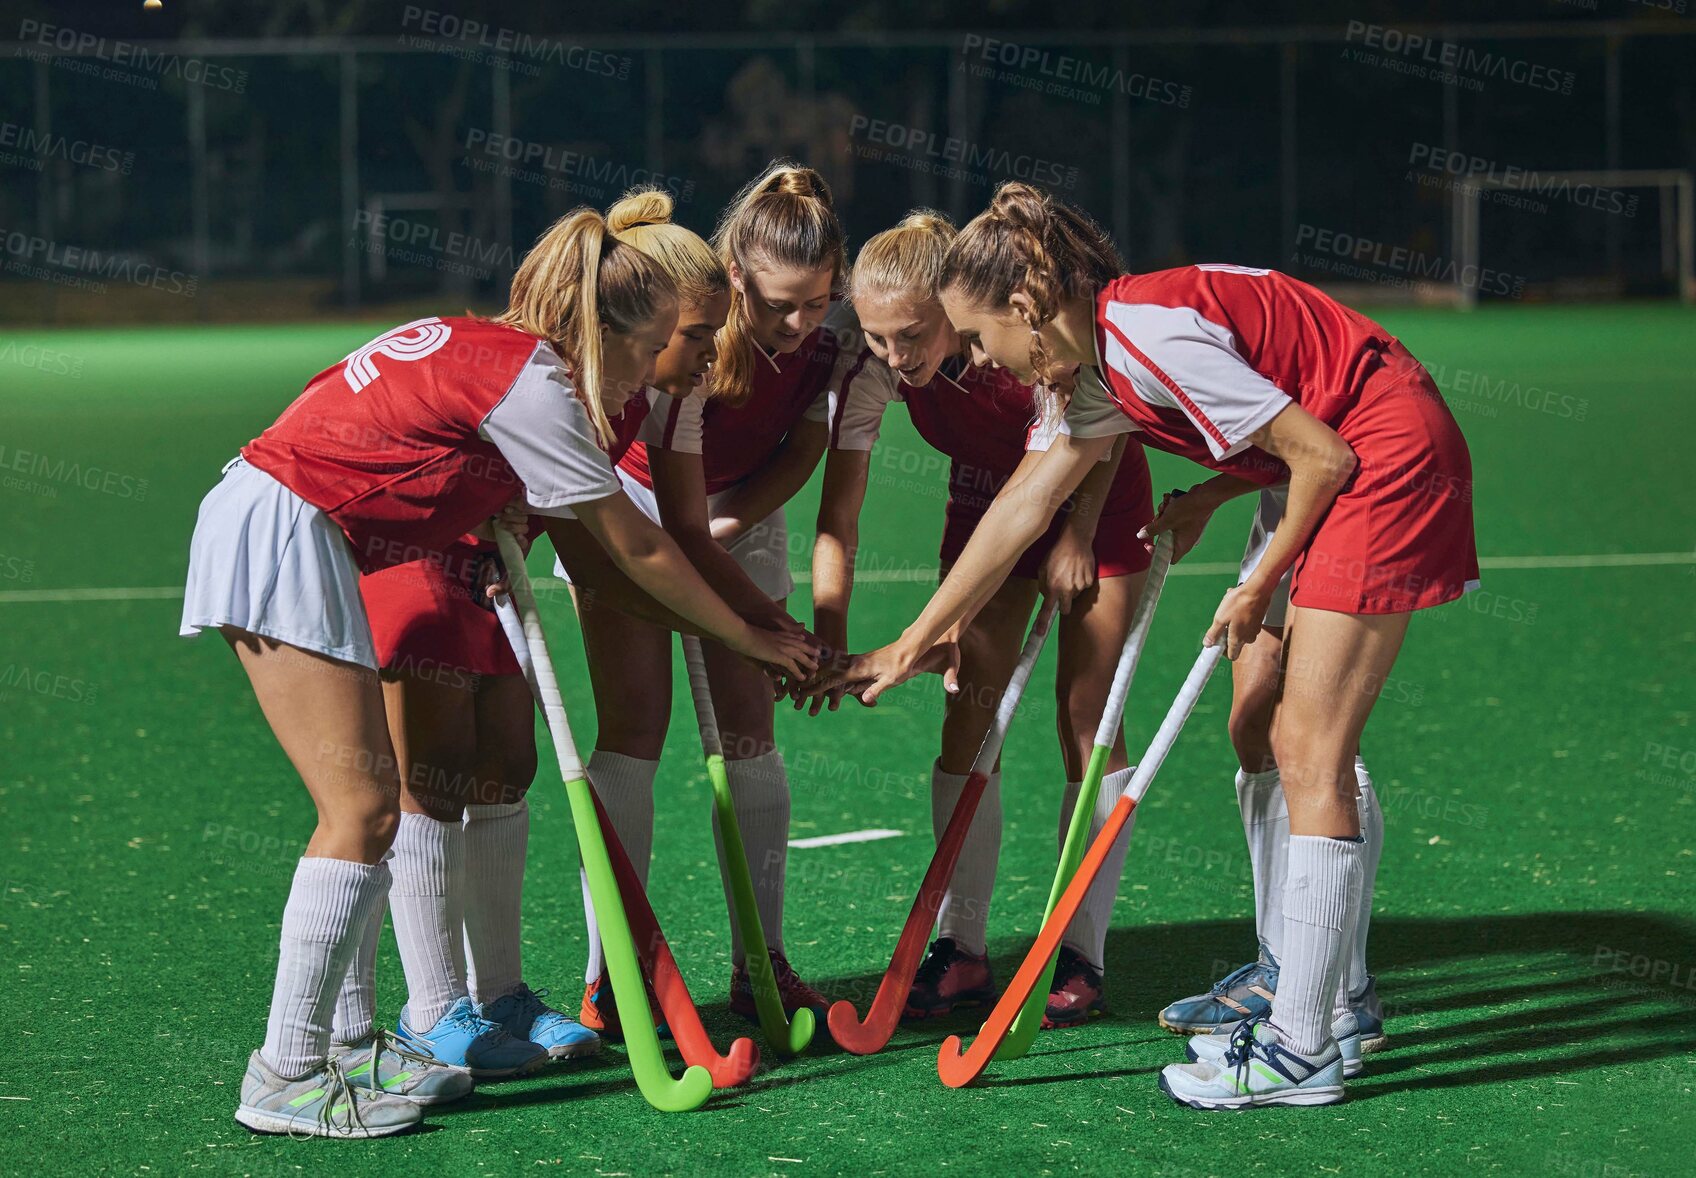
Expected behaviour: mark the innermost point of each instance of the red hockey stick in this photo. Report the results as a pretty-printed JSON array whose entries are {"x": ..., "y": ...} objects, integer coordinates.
[
  {"x": 677, "y": 1006},
  {"x": 959, "y": 1068},
  {"x": 868, "y": 1035}
]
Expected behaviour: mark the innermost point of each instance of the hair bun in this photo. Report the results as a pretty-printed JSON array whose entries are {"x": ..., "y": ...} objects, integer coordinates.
[
  {"x": 640, "y": 206},
  {"x": 794, "y": 179},
  {"x": 1021, "y": 205},
  {"x": 930, "y": 221}
]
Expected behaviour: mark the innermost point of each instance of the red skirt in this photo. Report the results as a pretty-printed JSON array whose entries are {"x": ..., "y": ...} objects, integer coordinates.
[
  {"x": 1118, "y": 552},
  {"x": 426, "y": 622},
  {"x": 1399, "y": 537}
]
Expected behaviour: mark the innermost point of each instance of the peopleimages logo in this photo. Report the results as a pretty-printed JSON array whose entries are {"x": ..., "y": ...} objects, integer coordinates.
[
  {"x": 1062, "y": 74},
  {"x": 1447, "y": 61},
  {"x": 947, "y": 156}
]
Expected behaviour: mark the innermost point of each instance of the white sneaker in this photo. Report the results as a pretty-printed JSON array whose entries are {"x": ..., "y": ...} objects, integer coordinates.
[
  {"x": 1346, "y": 1031},
  {"x": 1256, "y": 1071},
  {"x": 380, "y": 1063},
  {"x": 319, "y": 1104}
]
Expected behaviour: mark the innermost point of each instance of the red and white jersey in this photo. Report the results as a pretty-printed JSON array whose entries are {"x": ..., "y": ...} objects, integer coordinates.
[
  {"x": 430, "y": 429},
  {"x": 1197, "y": 359},
  {"x": 735, "y": 441},
  {"x": 980, "y": 416}
]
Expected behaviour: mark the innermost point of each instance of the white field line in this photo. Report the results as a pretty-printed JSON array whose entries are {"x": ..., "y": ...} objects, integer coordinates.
[
  {"x": 852, "y": 836},
  {"x": 1577, "y": 560}
]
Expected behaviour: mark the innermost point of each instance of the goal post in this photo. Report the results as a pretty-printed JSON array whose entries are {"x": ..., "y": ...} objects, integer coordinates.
[{"x": 1675, "y": 202}]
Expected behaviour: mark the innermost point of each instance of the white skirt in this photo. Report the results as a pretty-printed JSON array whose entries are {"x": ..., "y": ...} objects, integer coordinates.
[
  {"x": 268, "y": 562},
  {"x": 762, "y": 551}
]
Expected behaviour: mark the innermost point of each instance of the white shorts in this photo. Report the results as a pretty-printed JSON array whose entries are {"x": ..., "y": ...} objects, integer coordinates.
[
  {"x": 265, "y": 560},
  {"x": 1267, "y": 515},
  {"x": 762, "y": 551}
]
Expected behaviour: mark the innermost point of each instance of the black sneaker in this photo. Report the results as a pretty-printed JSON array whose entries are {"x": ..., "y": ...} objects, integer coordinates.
[{"x": 949, "y": 977}]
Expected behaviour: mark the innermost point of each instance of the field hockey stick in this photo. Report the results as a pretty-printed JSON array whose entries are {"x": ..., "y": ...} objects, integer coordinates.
[
  {"x": 958, "y": 1068},
  {"x": 647, "y": 1062},
  {"x": 676, "y": 1005},
  {"x": 1083, "y": 809},
  {"x": 788, "y": 1036},
  {"x": 868, "y": 1035}
]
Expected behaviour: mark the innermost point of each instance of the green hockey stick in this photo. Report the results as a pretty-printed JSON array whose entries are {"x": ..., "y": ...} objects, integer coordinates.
[
  {"x": 787, "y": 1037},
  {"x": 1029, "y": 1021},
  {"x": 641, "y": 1042}
]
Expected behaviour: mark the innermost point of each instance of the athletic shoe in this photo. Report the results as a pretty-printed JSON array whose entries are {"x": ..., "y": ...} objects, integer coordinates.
[
  {"x": 599, "y": 1010},
  {"x": 1369, "y": 1013},
  {"x": 464, "y": 1039},
  {"x": 949, "y": 977},
  {"x": 1244, "y": 993},
  {"x": 322, "y": 1103},
  {"x": 1257, "y": 1071},
  {"x": 790, "y": 988},
  {"x": 380, "y": 1063},
  {"x": 1076, "y": 995},
  {"x": 524, "y": 1015},
  {"x": 1213, "y": 1048}
]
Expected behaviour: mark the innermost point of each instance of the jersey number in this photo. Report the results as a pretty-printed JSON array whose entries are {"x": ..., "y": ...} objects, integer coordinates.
[{"x": 410, "y": 341}]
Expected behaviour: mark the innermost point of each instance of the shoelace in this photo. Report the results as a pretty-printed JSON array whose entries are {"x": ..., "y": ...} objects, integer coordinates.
[
  {"x": 935, "y": 964},
  {"x": 382, "y": 1041},
  {"x": 1242, "y": 1043},
  {"x": 1231, "y": 979},
  {"x": 338, "y": 1092},
  {"x": 468, "y": 1018},
  {"x": 530, "y": 1001}
]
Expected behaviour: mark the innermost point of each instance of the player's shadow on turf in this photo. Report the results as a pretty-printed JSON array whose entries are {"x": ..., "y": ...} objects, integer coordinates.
[{"x": 1466, "y": 999}]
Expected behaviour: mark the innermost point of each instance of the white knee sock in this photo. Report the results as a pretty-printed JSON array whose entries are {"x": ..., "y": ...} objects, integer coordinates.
[
  {"x": 1323, "y": 881},
  {"x": 759, "y": 791},
  {"x": 625, "y": 786},
  {"x": 330, "y": 903},
  {"x": 964, "y": 914},
  {"x": 428, "y": 902},
  {"x": 1372, "y": 830},
  {"x": 1266, "y": 823},
  {"x": 496, "y": 840},
  {"x": 1088, "y": 931},
  {"x": 356, "y": 1004}
]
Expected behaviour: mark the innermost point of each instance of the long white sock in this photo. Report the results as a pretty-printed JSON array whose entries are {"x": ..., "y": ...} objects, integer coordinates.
[
  {"x": 1324, "y": 876},
  {"x": 625, "y": 786},
  {"x": 1266, "y": 823},
  {"x": 356, "y": 1004},
  {"x": 496, "y": 841},
  {"x": 759, "y": 792},
  {"x": 1372, "y": 830},
  {"x": 1088, "y": 931},
  {"x": 1353, "y": 916},
  {"x": 428, "y": 902},
  {"x": 964, "y": 914},
  {"x": 330, "y": 903}
]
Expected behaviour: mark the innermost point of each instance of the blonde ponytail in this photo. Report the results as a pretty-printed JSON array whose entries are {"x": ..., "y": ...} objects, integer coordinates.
[
  {"x": 783, "y": 219},
  {"x": 576, "y": 279},
  {"x": 642, "y": 218}
]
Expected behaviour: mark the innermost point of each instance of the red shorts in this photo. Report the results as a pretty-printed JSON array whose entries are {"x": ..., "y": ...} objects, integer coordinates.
[
  {"x": 425, "y": 619},
  {"x": 1399, "y": 537},
  {"x": 1118, "y": 552}
]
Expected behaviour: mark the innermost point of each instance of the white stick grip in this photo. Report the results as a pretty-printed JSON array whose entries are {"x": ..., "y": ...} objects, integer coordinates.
[
  {"x": 1142, "y": 618},
  {"x": 1173, "y": 724},
  {"x": 990, "y": 750},
  {"x": 702, "y": 690},
  {"x": 535, "y": 644}
]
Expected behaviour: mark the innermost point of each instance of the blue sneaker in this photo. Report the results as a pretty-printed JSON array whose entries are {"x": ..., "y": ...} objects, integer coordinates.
[
  {"x": 463, "y": 1039},
  {"x": 1244, "y": 993},
  {"x": 524, "y": 1015},
  {"x": 1213, "y": 1048},
  {"x": 1257, "y": 1071},
  {"x": 1369, "y": 1014}
]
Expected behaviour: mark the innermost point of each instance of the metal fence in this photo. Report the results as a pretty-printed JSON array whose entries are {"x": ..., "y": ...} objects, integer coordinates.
[{"x": 291, "y": 177}]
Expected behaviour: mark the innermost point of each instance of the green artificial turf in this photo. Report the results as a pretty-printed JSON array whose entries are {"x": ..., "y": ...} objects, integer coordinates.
[{"x": 1533, "y": 937}]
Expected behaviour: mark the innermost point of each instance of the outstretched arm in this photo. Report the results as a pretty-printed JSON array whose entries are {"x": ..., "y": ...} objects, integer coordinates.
[{"x": 763, "y": 493}]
